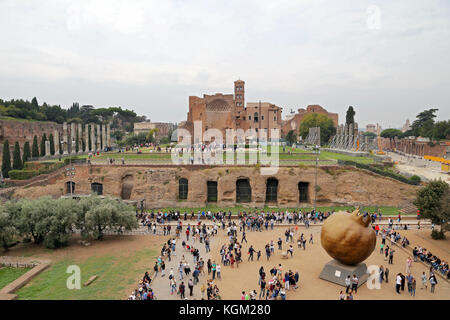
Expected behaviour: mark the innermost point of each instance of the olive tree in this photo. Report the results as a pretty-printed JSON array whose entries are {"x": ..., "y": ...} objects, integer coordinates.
[{"x": 8, "y": 230}]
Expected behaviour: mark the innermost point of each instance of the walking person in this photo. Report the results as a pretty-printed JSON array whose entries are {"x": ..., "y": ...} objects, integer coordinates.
[
  {"x": 181, "y": 290},
  {"x": 218, "y": 271},
  {"x": 433, "y": 282},
  {"x": 386, "y": 274},
  {"x": 214, "y": 270},
  {"x": 347, "y": 284},
  {"x": 191, "y": 287},
  {"x": 413, "y": 287},
  {"x": 398, "y": 283},
  {"x": 391, "y": 256},
  {"x": 424, "y": 281},
  {"x": 355, "y": 281}
]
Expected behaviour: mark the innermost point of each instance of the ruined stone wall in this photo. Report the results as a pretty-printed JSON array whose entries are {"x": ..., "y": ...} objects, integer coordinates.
[
  {"x": 158, "y": 185},
  {"x": 417, "y": 148},
  {"x": 22, "y": 131}
]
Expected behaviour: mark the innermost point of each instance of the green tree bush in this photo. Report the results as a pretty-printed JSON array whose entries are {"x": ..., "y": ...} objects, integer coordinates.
[
  {"x": 433, "y": 202},
  {"x": 44, "y": 138},
  {"x": 6, "y": 160},
  {"x": 327, "y": 128},
  {"x": 26, "y": 152},
  {"x": 35, "y": 148},
  {"x": 17, "y": 161}
]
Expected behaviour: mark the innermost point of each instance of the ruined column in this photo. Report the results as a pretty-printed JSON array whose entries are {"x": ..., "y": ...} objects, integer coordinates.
[
  {"x": 72, "y": 138},
  {"x": 47, "y": 148},
  {"x": 93, "y": 137},
  {"x": 86, "y": 137},
  {"x": 56, "y": 141},
  {"x": 104, "y": 136},
  {"x": 97, "y": 146},
  {"x": 108, "y": 134},
  {"x": 64, "y": 144}
]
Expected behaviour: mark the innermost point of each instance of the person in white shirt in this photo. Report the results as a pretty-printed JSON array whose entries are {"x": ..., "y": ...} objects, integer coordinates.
[{"x": 398, "y": 283}]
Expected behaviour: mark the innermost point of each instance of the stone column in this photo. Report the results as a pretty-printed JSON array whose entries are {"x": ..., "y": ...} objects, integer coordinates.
[
  {"x": 64, "y": 144},
  {"x": 56, "y": 141},
  {"x": 93, "y": 137},
  {"x": 47, "y": 148},
  {"x": 72, "y": 138},
  {"x": 98, "y": 147},
  {"x": 86, "y": 138},
  {"x": 104, "y": 136},
  {"x": 108, "y": 134}
]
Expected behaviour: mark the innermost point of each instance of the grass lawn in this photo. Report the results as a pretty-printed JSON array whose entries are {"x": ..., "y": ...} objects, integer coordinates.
[
  {"x": 116, "y": 273},
  {"x": 8, "y": 275},
  {"x": 386, "y": 211}
]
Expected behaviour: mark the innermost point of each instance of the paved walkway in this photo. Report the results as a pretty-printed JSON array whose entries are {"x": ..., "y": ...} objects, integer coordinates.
[{"x": 161, "y": 284}]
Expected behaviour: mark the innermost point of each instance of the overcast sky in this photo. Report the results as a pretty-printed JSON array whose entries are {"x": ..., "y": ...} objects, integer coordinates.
[{"x": 388, "y": 59}]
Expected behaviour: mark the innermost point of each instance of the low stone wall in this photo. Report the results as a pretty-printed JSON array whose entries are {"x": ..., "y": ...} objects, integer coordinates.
[{"x": 37, "y": 265}]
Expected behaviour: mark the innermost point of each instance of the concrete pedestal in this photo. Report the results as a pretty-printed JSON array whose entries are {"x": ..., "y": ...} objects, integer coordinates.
[{"x": 336, "y": 272}]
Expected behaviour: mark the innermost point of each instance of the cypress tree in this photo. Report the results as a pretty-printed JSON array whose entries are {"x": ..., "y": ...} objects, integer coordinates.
[
  {"x": 17, "y": 162},
  {"x": 77, "y": 143},
  {"x": 35, "y": 148},
  {"x": 26, "y": 152},
  {"x": 6, "y": 160},
  {"x": 44, "y": 138},
  {"x": 52, "y": 144}
]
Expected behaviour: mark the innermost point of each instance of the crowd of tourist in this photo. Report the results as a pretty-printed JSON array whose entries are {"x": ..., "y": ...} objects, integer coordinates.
[{"x": 276, "y": 285}]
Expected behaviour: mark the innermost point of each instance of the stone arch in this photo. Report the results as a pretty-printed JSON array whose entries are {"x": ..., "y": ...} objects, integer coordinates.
[
  {"x": 272, "y": 189},
  {"x": 243, "y": 190},
  {"x": 127, "y": 187}
]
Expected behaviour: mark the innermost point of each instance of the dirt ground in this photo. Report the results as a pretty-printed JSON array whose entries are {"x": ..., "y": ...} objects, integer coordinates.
[{"x": 309, "y": 264}]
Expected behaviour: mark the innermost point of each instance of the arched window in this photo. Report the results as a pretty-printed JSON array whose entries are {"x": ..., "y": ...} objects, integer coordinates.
[
  {"x": 255, "y": 117},
  {"x": 182, "y": 189},
  {"x": 212, "y": 191},
  {"x": 97, "y": 188},
  {"x": 271, "y": 190},
  {"x": 243, "y": 191},
  {"x": 70, "y": 187},
  {"x": 303, "y": 191}
]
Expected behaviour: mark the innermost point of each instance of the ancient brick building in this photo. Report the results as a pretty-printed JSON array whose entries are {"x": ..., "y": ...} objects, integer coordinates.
[
  {"x": 228, "y": 111},
  {"x": 293, "y": 121},
  {"x": 417, "y": 146}
]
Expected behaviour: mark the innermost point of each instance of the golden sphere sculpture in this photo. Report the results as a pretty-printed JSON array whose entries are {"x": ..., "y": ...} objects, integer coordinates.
[{"x": 347, "y": 237}]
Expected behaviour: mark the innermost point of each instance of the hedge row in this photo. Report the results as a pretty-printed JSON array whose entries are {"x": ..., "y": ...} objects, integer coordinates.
[
  {"x": 29, "y": 172},
  {"x": 22, "y": 174},
  {"x": 379, "y": 171}
]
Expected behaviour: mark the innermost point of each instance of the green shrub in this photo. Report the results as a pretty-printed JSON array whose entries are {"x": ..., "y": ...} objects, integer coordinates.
[
  {"x": 22, "y": 174},
  {"x": 74, "y": 160},
  {"x": 415, "y": 178},
  {"x": 384, "y": 173},
  {"x": 437, "y": 235}
]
